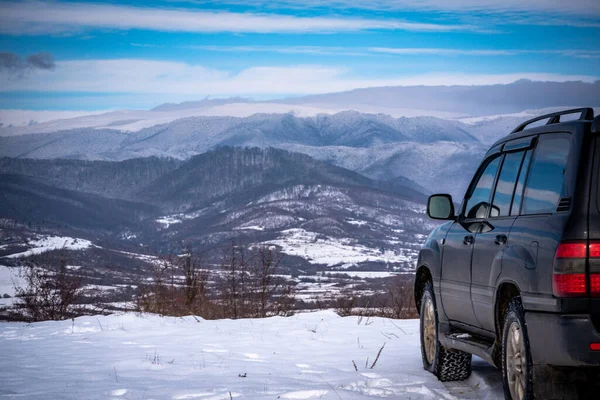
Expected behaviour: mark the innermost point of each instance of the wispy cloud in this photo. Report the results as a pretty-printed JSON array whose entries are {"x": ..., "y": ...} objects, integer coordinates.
[
  {"x": 579, "y": 53},
  {"x": 161, "y": 77},
  {"x": 402, "y": 51},
  {"x": 34, "y": 18},
  {"x": 13, "y": 63},
  {"x": 579, "y": 13},
  {"x": 312, "y": 50},
  {"x": 575, "y": 7}
]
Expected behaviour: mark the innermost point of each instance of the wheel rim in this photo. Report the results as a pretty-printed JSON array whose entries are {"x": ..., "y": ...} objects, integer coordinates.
[
  {"x": 516, "y": 363},
  {"x": 429, "y": 332}
]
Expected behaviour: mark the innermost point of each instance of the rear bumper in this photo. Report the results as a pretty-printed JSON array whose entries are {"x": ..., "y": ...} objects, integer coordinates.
[{"x": 562, "y": 340}]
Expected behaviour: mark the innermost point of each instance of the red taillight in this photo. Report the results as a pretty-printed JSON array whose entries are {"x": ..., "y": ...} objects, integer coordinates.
[
  {"x": 569, "y": 278},
  {"x": 564, "y": 285},
  {"x": 595, "y": 284},
  {"x": 571, "y": 250},
  {"x": 594, "y": 262},
  {"x": 595, "y": 250},
  {"x": 595, "y": 346}
]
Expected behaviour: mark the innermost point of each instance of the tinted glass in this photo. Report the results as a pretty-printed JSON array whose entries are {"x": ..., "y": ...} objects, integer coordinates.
[
  {"x": 516, "y": 205},
  {"x": 506, "y": 184},
  {"x": 545, "y": 185},
  {"x": 479, "y": 203}
]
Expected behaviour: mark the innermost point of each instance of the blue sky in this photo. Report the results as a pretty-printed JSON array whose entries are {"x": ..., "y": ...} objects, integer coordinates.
[{"x": 67, "y": 55}]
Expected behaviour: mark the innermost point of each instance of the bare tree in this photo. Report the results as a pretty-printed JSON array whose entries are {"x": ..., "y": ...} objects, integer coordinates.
[
  {"x": 48, "y": 295},
  {"x": 271, "y": 294}
]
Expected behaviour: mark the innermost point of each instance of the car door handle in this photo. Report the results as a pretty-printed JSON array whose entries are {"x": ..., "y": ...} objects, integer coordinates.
[
  {"x": 500, "y": 239},
  {"x": 468, "y": 240}
]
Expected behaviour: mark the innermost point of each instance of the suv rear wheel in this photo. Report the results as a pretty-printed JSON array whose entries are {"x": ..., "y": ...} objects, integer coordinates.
[
  {"x": 516, "y": 357},
  {"x": 446, "y": 364}
]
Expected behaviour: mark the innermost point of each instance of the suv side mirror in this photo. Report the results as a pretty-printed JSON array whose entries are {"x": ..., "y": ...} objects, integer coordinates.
[{"x": 440, "y": 206}]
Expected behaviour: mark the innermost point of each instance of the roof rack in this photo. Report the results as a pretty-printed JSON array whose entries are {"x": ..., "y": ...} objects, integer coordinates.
[{"x": 587, "y": 114}]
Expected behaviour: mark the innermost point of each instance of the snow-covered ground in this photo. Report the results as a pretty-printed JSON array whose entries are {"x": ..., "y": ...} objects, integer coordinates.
[
  {"x": 9, "y": 278},
  {"x": 306, "y": 356},
  {"x": 47, "y": 243},
  {"x": 318, "y": 249}
]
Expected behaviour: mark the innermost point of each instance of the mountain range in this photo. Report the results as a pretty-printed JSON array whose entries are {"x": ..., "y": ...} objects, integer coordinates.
[
  {"x": 251, "y": 195},
  {"x": 329, "y": 187},
  {"x": 402, "y": 150}
]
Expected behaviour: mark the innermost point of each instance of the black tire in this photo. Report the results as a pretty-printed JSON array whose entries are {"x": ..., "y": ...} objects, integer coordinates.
[
  {"x": 447, "y": 364},
  {"x": 516, "y": 315}
]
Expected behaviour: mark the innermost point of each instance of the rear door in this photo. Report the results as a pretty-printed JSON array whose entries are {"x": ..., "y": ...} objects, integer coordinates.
[
  {"x": 540, "y": 222},
  {"x": 493, "y": 236}
]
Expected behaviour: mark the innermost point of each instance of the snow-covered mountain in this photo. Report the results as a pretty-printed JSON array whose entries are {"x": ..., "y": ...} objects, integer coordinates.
[
  {"x": 251, "y": 195},
  {"x": 378, "y": 146}
]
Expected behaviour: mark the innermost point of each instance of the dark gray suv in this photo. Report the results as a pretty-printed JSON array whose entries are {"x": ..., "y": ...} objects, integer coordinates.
[{"x": 514, "y": 275}]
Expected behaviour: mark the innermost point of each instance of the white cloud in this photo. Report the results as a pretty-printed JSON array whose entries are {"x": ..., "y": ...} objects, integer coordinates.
[
  {"x": 399, "y": 51},
  {"x": 163, "y": 77},
  {"x": 312, "y": 50},
  {"x": 51, "y": 17},
  {"x": 575, "y": 7},
  {"x": 578, "y": 13},
  {"x": 579, "y": 53}
]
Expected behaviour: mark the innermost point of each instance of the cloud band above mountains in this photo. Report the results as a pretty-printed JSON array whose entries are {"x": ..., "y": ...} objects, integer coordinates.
[{"x": 149, "y": 76}]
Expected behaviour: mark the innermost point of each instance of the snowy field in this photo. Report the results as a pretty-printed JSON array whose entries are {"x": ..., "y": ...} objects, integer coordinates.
[
  {"x": 307, "y": 356},
  {"x": 322, "y": 250},
  {"x": 46, "y": 243}
]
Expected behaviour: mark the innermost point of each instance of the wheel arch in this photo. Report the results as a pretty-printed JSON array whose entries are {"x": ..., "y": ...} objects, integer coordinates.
[
  {"x": 422, "y": 276},
  {"x": 507, "y": 290}
]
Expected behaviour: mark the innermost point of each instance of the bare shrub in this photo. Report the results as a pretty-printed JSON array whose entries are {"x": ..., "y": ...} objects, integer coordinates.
[
  {"x": 400, "y": 299},
  {"x": 169, "y": 294},
  {"x": 247, "y": 285},
  {"x": 48, "y": 295},
  {"x": 395, "y": 301},
  {"x": 345, "y": 305},
  {"x": 251, "y": 287}
]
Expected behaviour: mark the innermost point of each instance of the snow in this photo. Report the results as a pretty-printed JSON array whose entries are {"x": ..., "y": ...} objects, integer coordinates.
[
  {"x": 168, "y": 221},
  {"x": 306, "y": 356},
  {"x": 9, "y": 278},
  {"x": 251, "y": 228},
  {"x": 47, "y": 243},
  {"x": 361, "y": 274},
  {"x": 356, "y": 222},
  {"x": 135, "y": 120},
  {"x": 19, "y": 122},
  {"x": 319, "y": 249}
]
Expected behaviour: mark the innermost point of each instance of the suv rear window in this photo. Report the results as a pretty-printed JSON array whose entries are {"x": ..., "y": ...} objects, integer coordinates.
[{"x": 545, "y": 184}]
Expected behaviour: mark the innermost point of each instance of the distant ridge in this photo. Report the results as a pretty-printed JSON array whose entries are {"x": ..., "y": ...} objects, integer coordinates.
[
  {"x": 200, "y": 104},
  {"x": 472, "y": 100}
]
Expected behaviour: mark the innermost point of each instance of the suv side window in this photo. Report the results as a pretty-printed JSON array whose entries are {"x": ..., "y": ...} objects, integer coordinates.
[
  {"x": 545, "y": 184},
  {"x": 505, "y": 187},
  {"x": 478, "y": 203}
]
